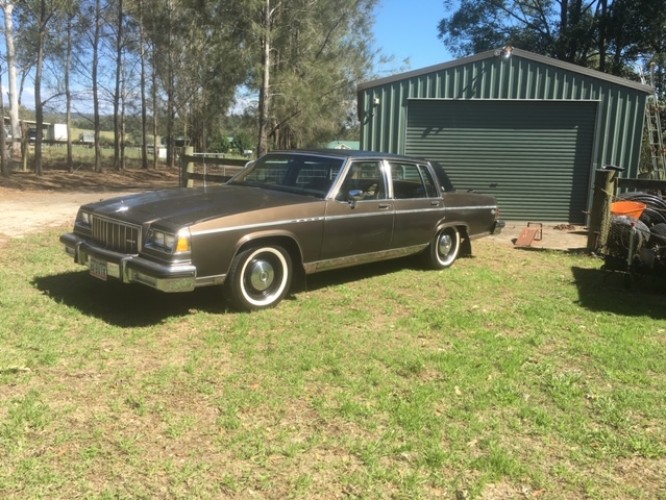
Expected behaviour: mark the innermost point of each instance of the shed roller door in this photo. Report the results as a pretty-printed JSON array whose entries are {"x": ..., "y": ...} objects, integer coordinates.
[{"x": 535, "y": 157}]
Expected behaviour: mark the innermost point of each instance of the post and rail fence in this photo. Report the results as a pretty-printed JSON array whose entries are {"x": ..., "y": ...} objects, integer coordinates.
[{"x": 207, "y": 167}]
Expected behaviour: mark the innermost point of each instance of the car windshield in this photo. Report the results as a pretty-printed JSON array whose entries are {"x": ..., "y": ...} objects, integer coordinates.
[{"x": 297, "y": 173}]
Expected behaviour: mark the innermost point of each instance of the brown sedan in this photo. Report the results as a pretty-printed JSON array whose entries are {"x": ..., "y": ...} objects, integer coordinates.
[{"x": 292, "y": 210}]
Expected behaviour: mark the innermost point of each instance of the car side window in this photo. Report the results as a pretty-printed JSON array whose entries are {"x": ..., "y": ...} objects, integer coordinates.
[
  {"x": 366, "y": 177},
  {"x": 317, "y": 177},
  {"x": 411, "y": 180}
]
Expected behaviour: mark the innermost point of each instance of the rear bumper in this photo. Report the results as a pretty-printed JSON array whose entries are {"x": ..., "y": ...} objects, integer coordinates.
[
  {"x": 497, "y": 228},
  {"x": 129, "y": 268}
]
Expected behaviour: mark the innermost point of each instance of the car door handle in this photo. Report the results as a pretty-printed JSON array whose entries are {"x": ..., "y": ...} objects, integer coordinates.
[
  {"x": 384, "y": 205},
  {"x": 434, "y": 203}
]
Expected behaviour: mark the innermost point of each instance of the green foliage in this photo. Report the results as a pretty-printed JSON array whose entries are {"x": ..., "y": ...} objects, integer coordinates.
[
  {"x": 320, "y": 51},
  {"x": 242, "y": 142},
  {"x": 609, "y": 35},
  {"x": 223, "y": 145}
]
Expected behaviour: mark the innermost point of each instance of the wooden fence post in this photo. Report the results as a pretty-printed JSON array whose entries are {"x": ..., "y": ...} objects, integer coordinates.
[
  {"x": 187, "y": 167},
  {"x": 600, "y": 216}
]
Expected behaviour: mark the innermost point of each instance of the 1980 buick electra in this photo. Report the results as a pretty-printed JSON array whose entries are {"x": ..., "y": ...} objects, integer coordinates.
[{"x": 289, "y": 212}]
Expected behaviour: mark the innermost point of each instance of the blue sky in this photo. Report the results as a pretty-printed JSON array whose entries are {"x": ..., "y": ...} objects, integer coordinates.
[{"x": 408, "y": 29}]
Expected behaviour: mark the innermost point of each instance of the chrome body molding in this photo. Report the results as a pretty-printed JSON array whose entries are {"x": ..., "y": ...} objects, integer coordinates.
[
  {"x": 262, "y": 225},
  {"x": 283, "y": 223},
  {"x": 383, "y": 213},
  {"x": 472, "y": 207},
  {"x": 355, "y": 260},
  {"x": 211, "y": 280}
]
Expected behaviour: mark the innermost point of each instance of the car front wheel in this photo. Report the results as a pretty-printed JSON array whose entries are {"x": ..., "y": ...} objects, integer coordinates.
[
  {"x": 443, "y": 249},
  {"x": 259, "y": 278}
]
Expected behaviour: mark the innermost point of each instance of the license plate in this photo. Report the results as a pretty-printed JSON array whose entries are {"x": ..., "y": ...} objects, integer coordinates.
[{"x": 98, "y": 269}]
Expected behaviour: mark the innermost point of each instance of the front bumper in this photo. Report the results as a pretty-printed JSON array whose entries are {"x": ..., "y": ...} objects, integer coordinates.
[{"x": 129, "y": 268}]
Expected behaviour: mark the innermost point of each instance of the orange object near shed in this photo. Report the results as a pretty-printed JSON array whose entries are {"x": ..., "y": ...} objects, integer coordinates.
[{"x": 633, "y": 209}]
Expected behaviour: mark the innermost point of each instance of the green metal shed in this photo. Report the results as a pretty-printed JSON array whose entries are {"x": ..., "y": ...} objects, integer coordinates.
[{"x": 526, "y": 128}]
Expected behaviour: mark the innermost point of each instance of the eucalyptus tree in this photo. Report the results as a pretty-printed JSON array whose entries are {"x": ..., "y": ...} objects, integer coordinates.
[
  {"x": 95, "y": 14},
  {"x": 67, "y": 40},
  {"x": 311, "y": 55},
  {"x": 609, "y": 35},
  {"x": 5, "y": 168},
  {"x": 118, "y": 106},
  {"x": 197, "y": 48},
  {"x": 141, "y": 47},
  {"x": 39, "y": 20},
  {"x": 7, "y": 7}
]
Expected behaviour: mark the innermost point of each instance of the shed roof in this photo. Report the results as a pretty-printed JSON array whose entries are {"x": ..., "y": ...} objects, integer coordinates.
[{"x": 514, "y": 53}]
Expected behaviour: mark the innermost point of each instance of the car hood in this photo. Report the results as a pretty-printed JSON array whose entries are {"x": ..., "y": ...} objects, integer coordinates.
[{"x": 187, "y": 206}]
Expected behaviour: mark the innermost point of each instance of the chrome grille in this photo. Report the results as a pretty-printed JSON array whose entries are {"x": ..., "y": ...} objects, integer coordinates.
[{"x": 116, "y": 236}]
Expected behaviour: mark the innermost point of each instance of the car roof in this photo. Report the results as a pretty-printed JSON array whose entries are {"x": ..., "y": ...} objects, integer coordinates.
[{"x": 349, "y": 153}]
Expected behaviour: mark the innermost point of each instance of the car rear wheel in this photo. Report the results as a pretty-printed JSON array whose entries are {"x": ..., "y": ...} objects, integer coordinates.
[
  {"x": 443, "y": 249},
  {"x": 260, "y": 277}
]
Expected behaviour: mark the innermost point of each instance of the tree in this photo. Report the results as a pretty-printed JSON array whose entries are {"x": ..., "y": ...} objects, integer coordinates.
[
  {"x": 639, "y": 26},
  {"x": 74, "y": 26},
  {"x": 4, "y": 161},
  {"x": 142, "y": 83},
  {"x": 95, "y": 45},
  {"x": 265, "y": 86},
  {"x": 37, "y": 24},
  {"x": 8, "y": 9},
  {"x": 118, "y": 126},
  {"x": 316, "y": 53},
  {"x": 70, "y": 15},
  {"x": 198, "y": 64},
  {"x": 607, "y": 35}
]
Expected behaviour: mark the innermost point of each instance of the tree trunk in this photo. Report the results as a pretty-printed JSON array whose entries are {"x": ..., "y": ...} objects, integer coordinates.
[
  {"x": 95, "y": 86},
  {"x": 68, "y": 93},
  {"x": 4, "y": 161},
  {"x": 156, "y": 143},
  {"x": 39, "y": 106},
  {"x": 264, "y": 92},
  {"x": 8, "y": 8},
  {"x": 117, "y": 126},
  {"x": 144, "y": 115},
  {"x": 171, "y": 151},
  {"x": 603, "y": 23},
  {"x": 123, "y": 93}
]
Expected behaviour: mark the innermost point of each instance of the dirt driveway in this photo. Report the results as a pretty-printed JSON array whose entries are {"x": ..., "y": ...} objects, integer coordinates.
[
  {"x": 24, "y": 212},
  {"x": 29, "y": 203}
]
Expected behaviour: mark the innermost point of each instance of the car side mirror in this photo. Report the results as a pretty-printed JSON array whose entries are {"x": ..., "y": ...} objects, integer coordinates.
[{"x": 354, "y": 195}]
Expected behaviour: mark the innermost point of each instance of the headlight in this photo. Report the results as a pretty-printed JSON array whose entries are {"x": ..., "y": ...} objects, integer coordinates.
[
  {"x": 83, "y": 218},
  {"x": 158, "y": 238},
  {"x": 169, "y": 242}
]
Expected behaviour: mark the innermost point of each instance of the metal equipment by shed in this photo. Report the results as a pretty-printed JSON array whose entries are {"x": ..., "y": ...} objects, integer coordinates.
[{"x": 529, "y": 129}]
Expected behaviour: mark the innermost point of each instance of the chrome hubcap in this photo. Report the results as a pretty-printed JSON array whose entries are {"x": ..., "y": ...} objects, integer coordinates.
[
  {"x": 262, "y": 275},
  {"x": 445, "y": 244}
]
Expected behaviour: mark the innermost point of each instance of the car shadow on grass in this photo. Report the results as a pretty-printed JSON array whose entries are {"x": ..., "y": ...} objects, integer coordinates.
[
  {"x": 131, "y": 306},
  {"x": 621, "y": 293},
  {"x": 124, "y": 305}
]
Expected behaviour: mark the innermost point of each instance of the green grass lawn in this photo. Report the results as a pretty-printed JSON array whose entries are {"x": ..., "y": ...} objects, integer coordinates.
[{"x": 514, "y": 374}]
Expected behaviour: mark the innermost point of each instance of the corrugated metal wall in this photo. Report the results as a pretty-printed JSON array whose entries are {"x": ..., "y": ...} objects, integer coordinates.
[
  {"x": 533, "y": 156},
  {"x": 383, "y": 103}
]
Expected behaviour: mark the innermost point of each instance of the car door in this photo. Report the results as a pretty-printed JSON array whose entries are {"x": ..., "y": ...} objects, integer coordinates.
[
  {"x": 418, "y": 204},
  {"x": 359, "y": 220}
]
